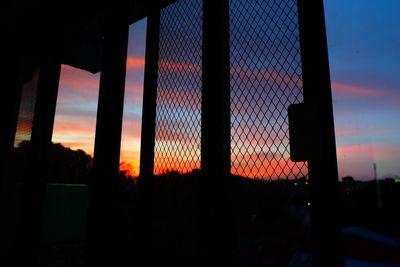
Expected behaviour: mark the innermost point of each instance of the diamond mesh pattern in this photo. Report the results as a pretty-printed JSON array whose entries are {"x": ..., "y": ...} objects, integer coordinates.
[
  {"x": 266, "y": 78},
  {"x": 178, "y": 121}
]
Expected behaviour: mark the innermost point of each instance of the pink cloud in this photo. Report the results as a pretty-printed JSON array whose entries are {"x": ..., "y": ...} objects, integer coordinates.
[
  {"x": 172, "y": 132},
  {"x": 77, "y": 78},
  {"x": 281, "y": 78},
  {"x": 165, "y": 65},
  {"x": 357, "y": 160},
  {"x": 133, "y": 88},
  {"x": 355, "y": 90},
  {"x": 244, "y": 72},
  {"x": 365, "y": 150},
  {"x": 131, "y": 129},
  {"x": 370, "y": 131},
  {"x": 376, "y": 151},
  {"x": 82, "y": 127},
  {"x": 168, "y": 98},
  {"x": 342, "y": 132}
]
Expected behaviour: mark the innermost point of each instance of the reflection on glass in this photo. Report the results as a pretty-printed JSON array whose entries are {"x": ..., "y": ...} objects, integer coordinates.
[
  {"x": 17, "y": 160},
  {"x": 26, "y": 110}
]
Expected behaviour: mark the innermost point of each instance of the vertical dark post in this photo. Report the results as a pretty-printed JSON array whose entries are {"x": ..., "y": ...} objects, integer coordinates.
[
  {"x": 103, "y": 187},
  {"x": 150, "y": 94},
  {"x": 218, "y": 235},
  {"x": 42, "y": 130},
  {"x": 325, "y": 202},
  {"x": 148, "y": 133}
]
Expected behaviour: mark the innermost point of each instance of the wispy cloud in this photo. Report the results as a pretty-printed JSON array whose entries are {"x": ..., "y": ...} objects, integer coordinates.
[
  {"x": 259, "y": 75},
  {"x": 135, "y": 62},
  {"x": 166, "y": 65},
  {"x": 78, "y": 79},
  {"x": 69, "y": 125},
  {"x": 365, "y": 150},
  {"x": 341, "y": 88}
]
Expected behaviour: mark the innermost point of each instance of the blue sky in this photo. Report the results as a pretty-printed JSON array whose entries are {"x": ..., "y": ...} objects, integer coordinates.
[{"x": 363, "y": 43}]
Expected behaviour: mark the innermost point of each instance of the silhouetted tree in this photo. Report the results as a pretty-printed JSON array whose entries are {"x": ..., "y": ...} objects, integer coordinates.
[
  {"x": 66, "y": 166},
  {"x": 69, "y": 166}
]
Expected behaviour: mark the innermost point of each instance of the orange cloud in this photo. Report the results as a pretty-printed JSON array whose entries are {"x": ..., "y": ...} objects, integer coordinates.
[
  {"x": 134, "y": 62},
  {"x": 267, "y": 166},
  {"x": 130, "y": 156},
  {"x": 69, "y": 125},
  {"x": 75, "y": 134},
  {"x": 24, "y": 125},
  {"x": 172, "y": 162}
]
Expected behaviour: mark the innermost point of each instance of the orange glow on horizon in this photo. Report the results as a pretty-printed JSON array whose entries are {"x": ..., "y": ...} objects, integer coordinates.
[{"x": 128, "y": 169}]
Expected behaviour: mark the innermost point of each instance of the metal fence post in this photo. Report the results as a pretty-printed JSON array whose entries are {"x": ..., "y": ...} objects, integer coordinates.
[
  {"x": 42, "y": 129},
  {"x": 323, "y": 173},
  {"x": 219, "y": 236},
  {"x": 145, "y": 182},
  {"x": 103, "y": 191},
  {"x": 9, "y": 96}
]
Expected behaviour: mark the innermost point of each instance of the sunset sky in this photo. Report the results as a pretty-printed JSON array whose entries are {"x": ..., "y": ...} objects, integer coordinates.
[
  {"x": 363, "y": 42},
  {"x": 75, "y": 121}
]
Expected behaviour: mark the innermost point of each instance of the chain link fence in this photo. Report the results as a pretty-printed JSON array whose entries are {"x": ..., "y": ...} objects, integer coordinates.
[
  {"x": 178, "y": 121},
  {"x": 266, "y": 77},
  {"x": 265, "y": 80},
  {"x": 178, "y": 135}
]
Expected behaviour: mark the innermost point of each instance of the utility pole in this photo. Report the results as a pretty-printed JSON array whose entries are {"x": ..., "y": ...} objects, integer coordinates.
[{"x": 378, "y": 189}]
